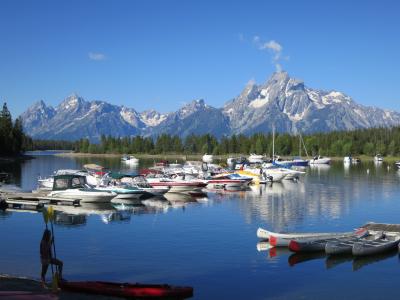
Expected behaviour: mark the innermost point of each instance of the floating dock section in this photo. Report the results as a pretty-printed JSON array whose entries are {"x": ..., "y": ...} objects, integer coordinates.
[{"x": 32, "y": 201}]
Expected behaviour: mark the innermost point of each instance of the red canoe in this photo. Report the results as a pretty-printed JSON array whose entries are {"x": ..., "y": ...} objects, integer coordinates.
[{"x": 128, "y": 290}]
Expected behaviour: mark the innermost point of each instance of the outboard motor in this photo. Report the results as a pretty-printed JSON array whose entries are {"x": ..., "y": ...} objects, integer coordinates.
[{"x": 204, "y": 167}]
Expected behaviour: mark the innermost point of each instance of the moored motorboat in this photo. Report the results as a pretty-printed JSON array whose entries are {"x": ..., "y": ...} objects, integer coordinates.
[
  {"x": 176, "y": 185},
  {"x": 347, "y": 160},
  {"x": 130, "y": 160},
  {"x": 227, "y": 181},
  {"x": 256, "y": 158},
  {"x": 378, "y": 158},
  {"x": 125, "y": 192},
  {"x": 208, "y": 158},
  {"x": 128, "y": 290},
  {"x": 386, "y": 243},
  {"x": 72, "y": 186},
  {"x": 317, "y": 160},
  {"x": 134, "y": 181}
]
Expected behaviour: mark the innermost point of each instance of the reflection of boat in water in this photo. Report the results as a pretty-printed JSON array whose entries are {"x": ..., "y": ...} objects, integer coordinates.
[
  {"x": 360, "y": 262},
  {"x": 320, "y": 167},
  {"x": 85, "y": 209},
  {"x": 335, "y": 260},
  {"x": 65, "y": 219},
  {"x": 157, "y": 203},
  {"x": 273, "y": 252},
  {"x": 264, "y": 246},
  {"x": 179, "y": 197},
  {"x": 72, "y": 186},
  {"x": 297, "y": 258}
]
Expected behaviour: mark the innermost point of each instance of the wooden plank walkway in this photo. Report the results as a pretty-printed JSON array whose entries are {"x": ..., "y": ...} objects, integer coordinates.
[
  {"x": 382, "y": 227},
  {"x": 39, "y": 199}
]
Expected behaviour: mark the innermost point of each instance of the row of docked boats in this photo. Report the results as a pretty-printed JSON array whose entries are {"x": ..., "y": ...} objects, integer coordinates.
[
  {"x": 95, "y": 184},
  {"x": 361, "y": 242}
]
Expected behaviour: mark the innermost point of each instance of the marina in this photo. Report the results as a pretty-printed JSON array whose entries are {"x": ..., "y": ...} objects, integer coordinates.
[{"x": 218, "y": 228}]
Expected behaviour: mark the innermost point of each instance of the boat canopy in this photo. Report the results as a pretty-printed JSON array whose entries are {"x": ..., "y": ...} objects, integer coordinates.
[{"x": 68, "y": 181}]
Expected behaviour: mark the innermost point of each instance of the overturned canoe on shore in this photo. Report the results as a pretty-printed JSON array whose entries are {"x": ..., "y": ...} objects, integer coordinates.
[
  {"x": 128, "y": 290},
  {"x": 283, "y": 239},
  {"x": 387, "y": 243}
]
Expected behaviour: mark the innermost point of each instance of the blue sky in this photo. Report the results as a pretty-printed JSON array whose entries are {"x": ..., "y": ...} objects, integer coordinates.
[{"x": 161, "y": 54}]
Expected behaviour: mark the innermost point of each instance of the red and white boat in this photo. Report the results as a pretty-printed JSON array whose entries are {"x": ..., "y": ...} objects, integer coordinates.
[{"x": 176, "y": 186}]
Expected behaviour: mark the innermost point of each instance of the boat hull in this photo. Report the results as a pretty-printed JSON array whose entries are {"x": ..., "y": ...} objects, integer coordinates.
[
  {"x": 140, "y": 291},
  {"x": 284, "y": 239},
  {"x": 375, "y": 247},
  {"x": 87, "y": 198}
]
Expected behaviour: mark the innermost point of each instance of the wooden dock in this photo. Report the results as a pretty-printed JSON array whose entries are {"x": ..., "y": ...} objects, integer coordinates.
[
  {"x": 32, "y": 201},
  {"x": 382, "y": 227}
]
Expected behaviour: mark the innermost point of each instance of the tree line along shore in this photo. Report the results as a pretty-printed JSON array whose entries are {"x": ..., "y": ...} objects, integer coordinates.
[{"x": 359, "y": 142}]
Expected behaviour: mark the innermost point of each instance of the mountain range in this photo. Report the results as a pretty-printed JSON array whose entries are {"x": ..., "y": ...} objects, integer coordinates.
[{"x": 283, "y": 102}]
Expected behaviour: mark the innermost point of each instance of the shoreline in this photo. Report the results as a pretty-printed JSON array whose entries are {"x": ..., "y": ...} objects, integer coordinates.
[
  {"x": 12, "y": 159},
  {"x": 199, "y": 156}
]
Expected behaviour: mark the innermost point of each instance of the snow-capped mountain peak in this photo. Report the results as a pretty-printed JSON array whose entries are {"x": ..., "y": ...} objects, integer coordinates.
[
  {"x": 282, "y": 100},
  {"x": 152, "y": 118}
]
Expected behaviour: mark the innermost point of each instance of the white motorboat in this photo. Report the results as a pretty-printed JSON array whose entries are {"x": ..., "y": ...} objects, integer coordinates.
[
  {"x": 273, "y": 174},
  {"x": 229, "y": 181},
  {"x": 74, "y": 186},
  {"x": 208, "y": 158},
  {"x": 255, "y": 158},
  {"x": 132, "y": 181},
  {"x": 125, "y": 192},
  {"x": 320, "y": 160},
  {"x": 130, "y": 159},
  {"x": 347, "y": 160},
  {"x": 378, "y": 158}
]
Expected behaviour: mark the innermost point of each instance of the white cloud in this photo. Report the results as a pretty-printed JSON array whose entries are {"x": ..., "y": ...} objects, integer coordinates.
[
  {"x": 274, "y": 47},
  {"x": 96, "y": 56}
]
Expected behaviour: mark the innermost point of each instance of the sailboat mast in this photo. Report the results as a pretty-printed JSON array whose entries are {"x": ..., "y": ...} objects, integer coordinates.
[
  {"x": 273, "y": 142},
  {"x": 299, "y": 145}
]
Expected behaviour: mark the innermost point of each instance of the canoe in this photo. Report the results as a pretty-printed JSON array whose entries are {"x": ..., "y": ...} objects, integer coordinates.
[
  {"x": 128, "y": 290},
  {"x": 318, "y": 244},
  {"x": 387, "y": 243},
  {"x": 346, "y": 246},
  {"x": 283, "y": 239},
  {"x": 26, "y": 295}
]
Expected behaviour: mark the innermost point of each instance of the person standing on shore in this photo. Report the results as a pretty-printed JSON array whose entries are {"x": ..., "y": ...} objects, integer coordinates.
[{"x": 46, "y": 255}]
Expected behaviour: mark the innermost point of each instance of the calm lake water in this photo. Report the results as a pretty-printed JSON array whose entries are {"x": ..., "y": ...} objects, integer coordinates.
[{"x": 211, "y": 243}]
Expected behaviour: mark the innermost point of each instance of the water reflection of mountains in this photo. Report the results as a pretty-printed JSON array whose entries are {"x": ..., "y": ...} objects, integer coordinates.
[
  {"x": 281, "y": 205},
  {"x": 331, "y": 261},
  {"x": 121, "y": 212}
]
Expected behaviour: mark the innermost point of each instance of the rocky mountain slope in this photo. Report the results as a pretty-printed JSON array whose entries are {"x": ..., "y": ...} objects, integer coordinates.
[{"x": 282, "y": 101}]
